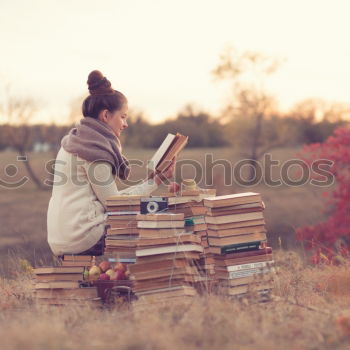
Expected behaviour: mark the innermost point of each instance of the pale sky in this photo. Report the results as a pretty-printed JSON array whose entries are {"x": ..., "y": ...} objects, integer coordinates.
[{"x": 160, "y": 53}]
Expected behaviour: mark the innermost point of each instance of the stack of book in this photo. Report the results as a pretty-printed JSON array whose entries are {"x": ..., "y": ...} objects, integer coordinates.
[
  {"x": 190, "y": 203},
  {"x": 64, "y": 285},
  {"x": 236, "y": 256},
  {"x": 166, "y": 256},
  {"x": 122, "y": 233},
  {"x": 84, "y": 261}
]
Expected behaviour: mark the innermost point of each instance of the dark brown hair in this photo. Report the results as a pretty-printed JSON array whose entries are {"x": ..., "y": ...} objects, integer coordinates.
[{"x": 102, "y": 96}]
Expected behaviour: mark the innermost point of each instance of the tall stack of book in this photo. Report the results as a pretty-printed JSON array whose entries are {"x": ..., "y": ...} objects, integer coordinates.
[
  {"x": 166, "y": 254},
  {"x": 122, "y": 233},
  {"x": 236, "y": 256},
  {"x": 64, "y": 285},
  {"x": 190, "y": 203}
]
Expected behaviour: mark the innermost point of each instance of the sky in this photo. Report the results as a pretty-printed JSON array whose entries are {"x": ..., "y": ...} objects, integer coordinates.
[{"x": 160, "y": 53}]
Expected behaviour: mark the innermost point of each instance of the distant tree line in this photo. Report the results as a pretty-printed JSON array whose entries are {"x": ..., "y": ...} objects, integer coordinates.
[{"x": 203, "y": 131}]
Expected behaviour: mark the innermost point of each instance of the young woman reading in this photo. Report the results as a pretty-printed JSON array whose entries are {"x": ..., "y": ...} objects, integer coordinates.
[{"x": 87, "y": 163}]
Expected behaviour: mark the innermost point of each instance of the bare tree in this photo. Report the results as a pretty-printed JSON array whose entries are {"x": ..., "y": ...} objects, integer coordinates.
[
  {"x": 250, "y": 105},
  {"x": 18, "y": 112}
]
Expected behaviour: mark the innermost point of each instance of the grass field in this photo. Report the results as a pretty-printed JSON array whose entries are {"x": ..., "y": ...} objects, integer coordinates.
[
  {"x": 310, "y": 306},
  {"x": 310, "y": 310}
]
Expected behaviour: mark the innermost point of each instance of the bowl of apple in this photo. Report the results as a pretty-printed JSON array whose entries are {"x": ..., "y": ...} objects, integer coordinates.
[{"x": 112, "y": 282}]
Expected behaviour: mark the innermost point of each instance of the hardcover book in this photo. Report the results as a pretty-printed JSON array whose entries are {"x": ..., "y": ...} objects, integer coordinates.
[{"x": 171, "y": 147}]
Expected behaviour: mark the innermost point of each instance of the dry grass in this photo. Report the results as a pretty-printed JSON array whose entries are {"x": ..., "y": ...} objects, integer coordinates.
[{"x": 309, "y": 312}]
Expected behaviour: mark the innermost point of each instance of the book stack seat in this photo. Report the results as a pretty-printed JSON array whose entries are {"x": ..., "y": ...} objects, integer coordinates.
[
  {"x": 71, "y": 260},
  {"x": 122, "y": 233},
  {"x": 166, "y": 256},
  {"x": 237, "y": 259},
  {"x": 64, "y": 286}
]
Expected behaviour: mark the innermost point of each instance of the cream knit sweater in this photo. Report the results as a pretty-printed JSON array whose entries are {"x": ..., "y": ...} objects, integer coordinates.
[{"x": 77, "y": 208}]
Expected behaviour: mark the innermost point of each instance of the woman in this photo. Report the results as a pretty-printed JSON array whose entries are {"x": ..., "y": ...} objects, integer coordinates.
[{"x": 86, "y": 165}]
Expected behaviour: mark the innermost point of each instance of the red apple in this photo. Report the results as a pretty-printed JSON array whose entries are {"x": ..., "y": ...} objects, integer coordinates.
[
  {"x": 104, "y": 277},
  {"x": 120, "y": 267},
  {"x": 104, "y": 266},
  {"x": 120, "y": 275}
]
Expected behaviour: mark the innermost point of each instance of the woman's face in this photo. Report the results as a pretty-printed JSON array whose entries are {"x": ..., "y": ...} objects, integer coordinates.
[{"x": 116, "y": 120}]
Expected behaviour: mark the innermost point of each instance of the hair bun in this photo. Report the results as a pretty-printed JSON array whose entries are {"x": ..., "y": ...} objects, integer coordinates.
[{"x": 98, "y": 84}]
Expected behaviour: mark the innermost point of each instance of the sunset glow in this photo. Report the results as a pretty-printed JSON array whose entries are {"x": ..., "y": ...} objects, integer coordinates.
[{"x": 160, "y": 54}]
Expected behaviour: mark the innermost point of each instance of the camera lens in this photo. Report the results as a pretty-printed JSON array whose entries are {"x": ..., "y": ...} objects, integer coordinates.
[{"x": 152, "y": 207}]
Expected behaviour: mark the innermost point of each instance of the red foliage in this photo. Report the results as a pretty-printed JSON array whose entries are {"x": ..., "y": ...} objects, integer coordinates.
[{"x": 328, "y": 239}]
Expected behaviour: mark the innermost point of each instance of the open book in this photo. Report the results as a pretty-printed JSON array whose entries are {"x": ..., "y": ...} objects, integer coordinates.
[{"x": 171, "y": 147}]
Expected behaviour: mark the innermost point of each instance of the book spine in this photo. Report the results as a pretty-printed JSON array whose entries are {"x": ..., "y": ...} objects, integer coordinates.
[
  {"x": 242, "y": 247},
  {"x": 249, "y": 272},
  {"x": 256, "y": 265},
  {"x": 132, "y": 214}
]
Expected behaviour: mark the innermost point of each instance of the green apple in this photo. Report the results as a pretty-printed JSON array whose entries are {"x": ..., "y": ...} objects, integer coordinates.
[{"x": 86, "y": 275}]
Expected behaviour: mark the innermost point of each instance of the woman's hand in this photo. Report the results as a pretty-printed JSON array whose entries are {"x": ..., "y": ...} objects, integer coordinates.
[
  {"x": 170, "y": 171},
  {"x": 173, "y": 187},
  {"x": 167, "y": 174}
]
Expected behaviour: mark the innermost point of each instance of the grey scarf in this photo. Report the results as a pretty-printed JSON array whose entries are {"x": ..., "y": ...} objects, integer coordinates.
[{"x": 94, "y": 140}]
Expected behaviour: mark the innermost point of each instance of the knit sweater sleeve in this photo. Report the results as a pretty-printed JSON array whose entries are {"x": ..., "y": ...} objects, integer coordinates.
[{"x": 103, "y": 183}]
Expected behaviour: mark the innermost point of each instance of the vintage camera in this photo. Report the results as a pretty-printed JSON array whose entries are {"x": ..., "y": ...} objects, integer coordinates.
[{"x": 153, "y": 205}]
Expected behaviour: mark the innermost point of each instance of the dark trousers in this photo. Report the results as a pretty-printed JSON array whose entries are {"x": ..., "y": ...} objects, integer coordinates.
[{"x": 98, "y": 249}]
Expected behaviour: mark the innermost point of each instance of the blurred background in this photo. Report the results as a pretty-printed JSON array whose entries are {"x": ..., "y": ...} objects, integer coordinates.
[{"x": 242, "y": 79}]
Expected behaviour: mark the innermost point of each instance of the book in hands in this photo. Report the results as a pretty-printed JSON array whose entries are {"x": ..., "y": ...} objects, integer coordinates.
[{"x": 170, "y": 148}]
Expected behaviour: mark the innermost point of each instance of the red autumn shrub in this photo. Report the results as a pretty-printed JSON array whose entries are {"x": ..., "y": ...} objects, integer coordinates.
[{"x": 329, "y": 240}]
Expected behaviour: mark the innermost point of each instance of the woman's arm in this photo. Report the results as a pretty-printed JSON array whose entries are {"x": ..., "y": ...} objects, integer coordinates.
[{"x": 104, "y": 186}]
